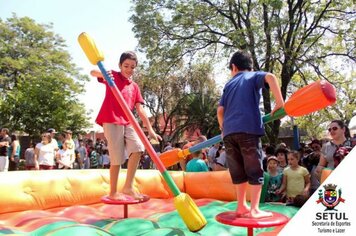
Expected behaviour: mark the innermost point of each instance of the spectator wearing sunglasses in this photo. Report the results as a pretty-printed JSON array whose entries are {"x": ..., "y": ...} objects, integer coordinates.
[{"x": 339, "y": 138}]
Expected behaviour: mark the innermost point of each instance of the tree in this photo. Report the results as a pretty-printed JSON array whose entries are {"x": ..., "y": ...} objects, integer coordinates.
[
  {"x": 184, "y": 100},
  {"x": 39, "y": 84},
  {"x": 287, "y": 38},
  {"x": 198, "y": 106}
]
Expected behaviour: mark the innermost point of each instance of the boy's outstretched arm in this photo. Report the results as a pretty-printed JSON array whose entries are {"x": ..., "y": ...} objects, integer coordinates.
[
  {"x": 274, "y": 86},
  {"x": 220, "y": 116},
  {"x": 96, "y": 73},
  {"x": 99, "y": 75}
]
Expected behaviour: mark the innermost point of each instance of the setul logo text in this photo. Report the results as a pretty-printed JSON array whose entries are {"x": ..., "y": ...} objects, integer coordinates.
[{"x": 330, "y": 220}]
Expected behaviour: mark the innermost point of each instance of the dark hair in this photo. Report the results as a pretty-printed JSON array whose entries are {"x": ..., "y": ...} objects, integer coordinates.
[
  {"x": 270, "y": 150},
  {"x": 6, "y": 130},
  {"x": 299, "y": 200},
  {"x": 342, "y": 125},
  {"x": 128, "y": 55},
  {"x": 339, "y": 122},
  {"x": 13, "y": 137},
  {"x": 283, "y": 151},
  {"x": 68, "y": 131},
  {"x": 217, "y": 154},
  {"x": 315, "y": 141},
  {"x": 242, "y": 60}
]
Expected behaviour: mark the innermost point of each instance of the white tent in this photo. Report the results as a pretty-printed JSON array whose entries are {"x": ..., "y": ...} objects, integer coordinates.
[{"x": 352, "y": 126}]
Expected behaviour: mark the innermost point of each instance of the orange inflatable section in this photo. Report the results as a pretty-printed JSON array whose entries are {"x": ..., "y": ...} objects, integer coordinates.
[
  {"x": 214, "y": 184},
  {"x": 45, "y": 190},
  {"x": 325, "y": 174}
]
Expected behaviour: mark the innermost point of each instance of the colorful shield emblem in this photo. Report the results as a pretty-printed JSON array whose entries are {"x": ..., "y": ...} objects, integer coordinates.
[{"x": 330, "y": 196}]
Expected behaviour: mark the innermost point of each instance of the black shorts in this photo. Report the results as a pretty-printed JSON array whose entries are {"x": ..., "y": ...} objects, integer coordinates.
[{"x": 244, "y": 158}]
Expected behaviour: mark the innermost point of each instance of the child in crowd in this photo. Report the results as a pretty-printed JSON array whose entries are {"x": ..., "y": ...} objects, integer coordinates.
[
  {"x": 105, "y": 160},
  {"x": 275, "y": 180},
  {"x": 118, "y": 131},
  {"x": 44, "y": 153},
  {"x": 30, "y": 157},
  {"x": 183, "y": 163},
  {"x": 83, "y": 155},
  {"x": 93, "y": 158},
  {"x": 145, "y": 161},
  {"x": 268, "y": 151},
  {"x": 281, "y": 154},
  {"x": 196, "y": 164},
  {"x": 65, "y": 156},
  {"x": 241, "y": 124},
  {"x": 296, "y": 179}
]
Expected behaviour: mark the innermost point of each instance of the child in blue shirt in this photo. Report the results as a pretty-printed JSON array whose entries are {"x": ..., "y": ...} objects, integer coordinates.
[
  {"x": 275, "y": 180},
  {"x": 197, "y": 164},
  {"x": 241, "y": 124}
]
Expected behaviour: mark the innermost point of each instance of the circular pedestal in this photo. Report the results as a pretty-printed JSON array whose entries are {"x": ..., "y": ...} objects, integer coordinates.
[
  {"x": 229, "y": 218},
  {"x": 125, "y": 203}
]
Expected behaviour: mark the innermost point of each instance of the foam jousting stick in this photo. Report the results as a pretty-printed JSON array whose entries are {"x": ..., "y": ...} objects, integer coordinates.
[
  {"x": 185, "y": 206},
  {"x": 308, "y": 99}
]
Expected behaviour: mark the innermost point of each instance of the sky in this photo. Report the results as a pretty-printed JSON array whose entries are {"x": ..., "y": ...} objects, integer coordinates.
[{"x": 106, "y": 21}]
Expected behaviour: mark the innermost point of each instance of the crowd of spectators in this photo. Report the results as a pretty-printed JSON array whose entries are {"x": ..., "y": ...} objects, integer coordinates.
[
  {"x": 54, "y": 151},
  {"x": 292, "y": 175}
]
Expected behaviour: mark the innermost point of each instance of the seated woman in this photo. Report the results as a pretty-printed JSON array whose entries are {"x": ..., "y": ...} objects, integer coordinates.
[{"x": 339, "y": 138}]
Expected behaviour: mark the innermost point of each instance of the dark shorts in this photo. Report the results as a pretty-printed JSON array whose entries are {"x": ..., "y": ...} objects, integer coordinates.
[
  {"x": 46, "y": 167},
  {"x": 244, "y": 158},
  {"x": 14, "y": 165},
  {"x": 30, "y": 167}
]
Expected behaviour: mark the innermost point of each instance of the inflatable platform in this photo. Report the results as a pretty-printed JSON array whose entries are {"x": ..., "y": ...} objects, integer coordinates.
[{"x": 68, "y": 202}]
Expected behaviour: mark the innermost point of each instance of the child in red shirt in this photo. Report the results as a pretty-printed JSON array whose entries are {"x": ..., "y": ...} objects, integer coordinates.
[{"x": 118, "y": 131}]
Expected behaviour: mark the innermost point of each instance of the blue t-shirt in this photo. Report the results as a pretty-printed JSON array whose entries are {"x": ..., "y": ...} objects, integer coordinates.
[
  {"x": 196, "y": 165},
  {"x": 275, "y": 183},
  {"x": 241, "y": 100}
]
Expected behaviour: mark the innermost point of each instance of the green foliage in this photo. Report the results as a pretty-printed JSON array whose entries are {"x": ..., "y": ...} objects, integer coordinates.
[
  {"x": 292, "y": 39},
  {"x": 39, "y": 84},
  {"x": 198, "y": 107},
  {"x": 184, "y": 100}
]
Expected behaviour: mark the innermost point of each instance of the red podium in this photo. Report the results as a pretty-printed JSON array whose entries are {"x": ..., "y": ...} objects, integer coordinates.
[
  {"x": 229, "y": 218},
  {"x": 107, "y": 200}
]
